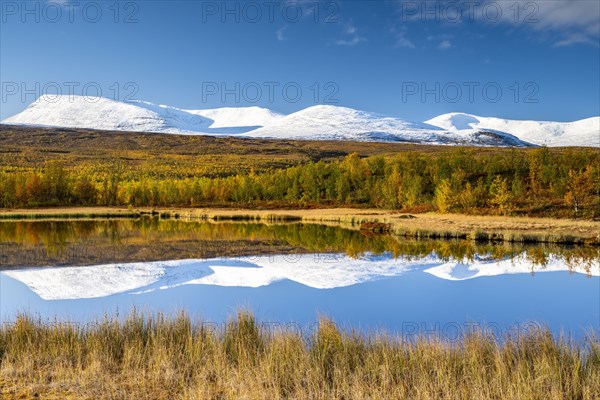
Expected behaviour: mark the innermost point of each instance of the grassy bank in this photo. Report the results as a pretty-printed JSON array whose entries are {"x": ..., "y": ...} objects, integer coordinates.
[
  {"x": 428, "y": 225},
  {"x": 157, "y": 357}
]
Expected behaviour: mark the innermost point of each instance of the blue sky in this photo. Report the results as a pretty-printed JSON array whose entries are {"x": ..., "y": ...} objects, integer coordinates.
[{"x": 537, "y": 60}]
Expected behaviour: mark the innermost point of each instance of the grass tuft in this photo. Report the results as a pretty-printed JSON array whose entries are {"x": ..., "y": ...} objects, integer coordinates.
[{"x": 158, "y": 356}]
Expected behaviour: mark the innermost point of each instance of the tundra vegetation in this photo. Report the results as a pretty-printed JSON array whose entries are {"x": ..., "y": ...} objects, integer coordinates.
[{"x": 46, "y": 169}]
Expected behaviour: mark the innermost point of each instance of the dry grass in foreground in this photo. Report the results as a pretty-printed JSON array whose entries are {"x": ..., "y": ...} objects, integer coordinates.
[{"x": 155, "y": 357}]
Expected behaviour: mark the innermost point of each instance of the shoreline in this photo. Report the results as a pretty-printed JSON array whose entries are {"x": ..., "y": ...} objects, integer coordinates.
[{"x": 427, "y": 225}]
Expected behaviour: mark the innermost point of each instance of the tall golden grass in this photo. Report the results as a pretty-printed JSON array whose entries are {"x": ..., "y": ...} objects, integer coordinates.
[{"x": 157, "y": 357}]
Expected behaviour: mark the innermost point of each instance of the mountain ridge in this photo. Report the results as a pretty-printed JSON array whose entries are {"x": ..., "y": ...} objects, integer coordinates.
[
  {"x": 584, "y": 132},
  {"x": 319, "y": 122}
]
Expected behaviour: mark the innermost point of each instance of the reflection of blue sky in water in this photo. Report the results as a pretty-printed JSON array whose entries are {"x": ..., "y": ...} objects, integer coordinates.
[
  {"x": 367, "y": 292},
  {"x": 320, "y": 271}
]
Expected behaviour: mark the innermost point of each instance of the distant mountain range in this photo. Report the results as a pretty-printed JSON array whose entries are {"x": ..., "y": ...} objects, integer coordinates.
[{"x": 322, "y": 122}]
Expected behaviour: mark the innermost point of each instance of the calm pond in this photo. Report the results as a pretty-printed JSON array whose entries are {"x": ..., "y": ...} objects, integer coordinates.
[{"x": 292, "y": 274}]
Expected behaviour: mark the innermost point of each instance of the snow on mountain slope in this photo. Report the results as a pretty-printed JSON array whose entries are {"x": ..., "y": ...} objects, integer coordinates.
[
  {"x": 250, "y": 117},
  {"x": 102, "y": 113},
  {"x": 340, "y": 123},
  {"x": 138, "y": 116},
  {"x": 322, "y": 122},
  {"x": 585, "y": 132}
]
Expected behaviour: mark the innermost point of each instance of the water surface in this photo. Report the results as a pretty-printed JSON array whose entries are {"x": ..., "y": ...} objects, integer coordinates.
[{"x": 292, "y": 273}]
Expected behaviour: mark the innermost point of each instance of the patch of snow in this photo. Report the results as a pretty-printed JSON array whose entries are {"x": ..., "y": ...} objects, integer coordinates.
[
  {"x": 326, "y": 122},
  {"x": 585, "y": 132},
  {"x": 246, "y": 117}
]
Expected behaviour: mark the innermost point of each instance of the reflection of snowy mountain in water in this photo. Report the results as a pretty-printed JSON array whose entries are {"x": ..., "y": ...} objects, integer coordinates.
[
  {"x": 458, "y": 271},
  {"x": 320, "y": 271}
]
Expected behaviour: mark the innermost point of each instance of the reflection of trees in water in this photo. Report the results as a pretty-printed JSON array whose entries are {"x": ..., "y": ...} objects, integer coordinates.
[{"x": 145, "y": 239}]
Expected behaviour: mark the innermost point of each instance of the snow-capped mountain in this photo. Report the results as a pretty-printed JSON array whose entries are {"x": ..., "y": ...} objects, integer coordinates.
[
  {"x": 314, "y": 123},
  {"x": 585, "y": 132},
  {"x": 138, "y": 116},
  {"x": 227, "y": 117},
  {"x": 324, "y": 122},
  {"x": 102, "y": 113},
  {"x": 322, "y": 271}
]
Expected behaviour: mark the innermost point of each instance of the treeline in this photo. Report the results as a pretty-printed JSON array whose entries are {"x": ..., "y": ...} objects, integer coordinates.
[{"x": 532, "y": 182}]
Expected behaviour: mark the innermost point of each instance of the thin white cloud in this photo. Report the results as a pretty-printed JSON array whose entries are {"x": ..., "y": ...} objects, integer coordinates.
[
  {"x": 350, "y": 29},
  {"x": 563, "y": 22},
  {"x": 352, "y": 36},
  {"x": 401, "y": 41},
  {"x": 443, "y": 40},
  {"x": 567, "y": 22},
  {"x": 444, "y": 45},
  {"x": 574, "y": 39},
  {"x": 443, "y": 36},
  {"x": 350, "y": 42},
  {"x": 582, "y": 15},
  {"x": 280, "y": 33}
]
